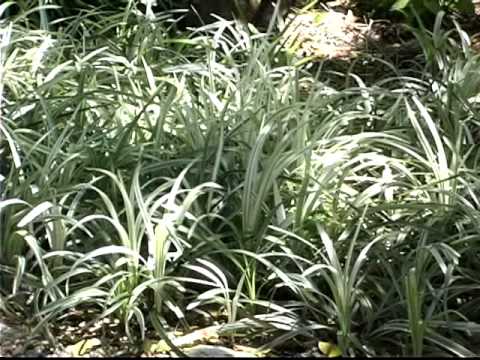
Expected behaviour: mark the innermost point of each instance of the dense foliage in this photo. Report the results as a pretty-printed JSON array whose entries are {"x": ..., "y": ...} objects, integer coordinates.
[{"x": 153, "y": 175}]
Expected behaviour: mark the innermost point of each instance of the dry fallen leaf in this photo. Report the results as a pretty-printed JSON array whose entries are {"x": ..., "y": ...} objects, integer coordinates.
[
  {"x": 329, "y": 349},
  {"x": 83, "y": 347},
  {"x": 196, "y": 337},
  {"x": 251, "y": 350}
]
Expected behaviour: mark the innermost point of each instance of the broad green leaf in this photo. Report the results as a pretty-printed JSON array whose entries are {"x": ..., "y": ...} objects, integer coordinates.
[
  {"x": 400, "y": 5},
  {"x": 465, "y": 6},
  {"x": 432, "y": 5}
]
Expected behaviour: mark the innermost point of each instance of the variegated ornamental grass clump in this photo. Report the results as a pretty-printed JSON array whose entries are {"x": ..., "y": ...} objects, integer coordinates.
[{"x": 155, "y": 178}]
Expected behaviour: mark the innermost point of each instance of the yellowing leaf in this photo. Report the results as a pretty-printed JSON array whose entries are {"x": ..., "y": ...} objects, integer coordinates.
[
  {"x": 329, "y": 349},
  {"x": 82, "y": 347},
  {"x": 319, "y": 16}
]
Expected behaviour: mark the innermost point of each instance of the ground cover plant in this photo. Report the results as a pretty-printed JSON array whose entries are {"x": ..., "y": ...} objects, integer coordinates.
[{"x": 169, "y": 180}]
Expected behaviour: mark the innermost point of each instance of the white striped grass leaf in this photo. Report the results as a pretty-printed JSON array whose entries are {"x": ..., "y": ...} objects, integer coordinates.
[{"x": 54, "y": 308}]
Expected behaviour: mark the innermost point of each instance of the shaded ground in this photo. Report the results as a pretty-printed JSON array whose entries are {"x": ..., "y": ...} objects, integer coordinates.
[
  {"x": 14, "y": 340},
  {"x": 106, "y": 339},
  {"x": 336, "y": 33}
]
